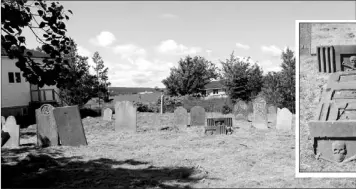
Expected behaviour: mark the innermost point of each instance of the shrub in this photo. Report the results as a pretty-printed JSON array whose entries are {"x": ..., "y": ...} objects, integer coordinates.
[
  {"x": 226, "y": 109},
  {"x": 85, "y": 112}
]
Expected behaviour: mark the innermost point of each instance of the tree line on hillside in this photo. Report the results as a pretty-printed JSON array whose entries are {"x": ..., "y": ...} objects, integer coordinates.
[
  {"x": 64, "y": 67},
  {"x": 243, "y": 80}
]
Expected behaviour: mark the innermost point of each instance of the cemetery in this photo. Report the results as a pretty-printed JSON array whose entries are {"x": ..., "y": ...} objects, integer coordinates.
[{"x": 327, "y": 113}]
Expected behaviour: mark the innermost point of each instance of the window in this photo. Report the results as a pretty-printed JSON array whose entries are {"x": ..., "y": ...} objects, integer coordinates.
[
  {"x": 215, "y": 91},
  {"x": 14, "y": 76},
  {"x": 18, "y": 77},
  {"x": 11, "y": 77}
]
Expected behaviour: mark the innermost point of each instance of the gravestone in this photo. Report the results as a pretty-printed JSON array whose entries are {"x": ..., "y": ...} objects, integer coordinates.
[
  {"x": 241, "y": 110},
  {"x": 47, "y": 133},
  {"x": 197, "y": 116},
  {"x": 272, "y": 114},
  {"x": 260, "y": 120},
  {"x": 107, "y": 115},
  {"x": 70, "y": 126},
  {"x": 180, "y": 117},
  {"x": 3, "y": 120},
  {"x": 284, "y": 120},
  {"x": 13, "y": 129},
  {"x": 125, "y": 116}
]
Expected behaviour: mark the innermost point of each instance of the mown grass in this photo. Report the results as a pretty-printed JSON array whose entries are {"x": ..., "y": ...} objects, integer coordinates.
[{"x": 311, "y": 85}]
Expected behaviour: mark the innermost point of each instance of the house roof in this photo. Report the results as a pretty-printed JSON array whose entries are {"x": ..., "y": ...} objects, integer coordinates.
[
  {"x": 35, "y": 54},
  {"x": 214, "y": 85}
]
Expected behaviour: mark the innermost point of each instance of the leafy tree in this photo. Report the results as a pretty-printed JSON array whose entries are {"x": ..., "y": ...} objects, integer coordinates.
[
  {"x": 77, "y": 85},
  {"x": 46, "y": 22},
  {"x": 272, "y": 88},
  {"x": 288, "y": 79},
  {"x": 242, "y": 80},
  {"x": 191, "y": 75},
  {"x": 102, "y": 75}
]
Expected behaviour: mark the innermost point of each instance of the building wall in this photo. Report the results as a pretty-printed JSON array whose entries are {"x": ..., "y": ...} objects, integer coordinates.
[{"x": 15, "y": 94}]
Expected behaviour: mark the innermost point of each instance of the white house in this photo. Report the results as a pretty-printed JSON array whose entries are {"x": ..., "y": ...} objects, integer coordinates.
[
  {"x": 16, "y": 93},
  {"x": 214, "y": 89}
]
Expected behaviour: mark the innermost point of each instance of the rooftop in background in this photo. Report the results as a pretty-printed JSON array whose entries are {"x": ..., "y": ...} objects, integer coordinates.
[{"x": 35, "y": 54}]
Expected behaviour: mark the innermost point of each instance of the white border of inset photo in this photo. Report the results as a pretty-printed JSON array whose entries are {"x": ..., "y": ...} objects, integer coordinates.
[{"x": 297, "y": 150}]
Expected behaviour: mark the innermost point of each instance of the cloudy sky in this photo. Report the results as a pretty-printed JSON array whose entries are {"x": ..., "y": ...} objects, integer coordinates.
[{"x": 141, "y": 41}]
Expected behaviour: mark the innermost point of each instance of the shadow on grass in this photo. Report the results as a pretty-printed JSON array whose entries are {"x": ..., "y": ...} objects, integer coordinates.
[{"x": 48, "y": 168}]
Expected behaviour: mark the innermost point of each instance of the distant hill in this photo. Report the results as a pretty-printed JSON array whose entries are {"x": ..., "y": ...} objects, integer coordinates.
[{"x": 129, "y": 90}]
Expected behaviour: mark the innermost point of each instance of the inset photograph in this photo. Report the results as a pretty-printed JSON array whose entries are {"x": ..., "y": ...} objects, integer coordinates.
[{"x": 327, "y": 93}]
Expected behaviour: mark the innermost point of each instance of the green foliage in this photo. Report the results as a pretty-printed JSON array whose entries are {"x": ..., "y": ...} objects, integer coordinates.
[
  {"x": 242, "y": 80},
  {"x": 102, "y": 75},
  {"x": 191, "y": 75},
  {"x": 226, "y": 109},
  {"x": 146, "y": 107},
  {"x": 272, "y": 87},
  {"x": 46, "y": 22}
]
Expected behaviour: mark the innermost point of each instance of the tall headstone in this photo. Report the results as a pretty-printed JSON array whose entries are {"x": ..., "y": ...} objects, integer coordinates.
[
  {"x": 162, "y": 102},
  {"x": 272, "y": 114},
  {"x": 284, "y": 119},
  {"x": 241, "y": 110},
  {"x": 70, "y": 126},
  {"x": 125, "y": 116},
  {"x": 107, "y": 114},
  {"x": 197, "y": 116},
  {"x": 13, "y": 129},
  {"x": 180, "y": 117},
  {"x": 260, "y": 120},
  {"x": 47, "y": 133}
]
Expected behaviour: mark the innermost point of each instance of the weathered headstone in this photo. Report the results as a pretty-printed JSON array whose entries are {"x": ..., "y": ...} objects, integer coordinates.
[
  {"x": 272, "y": 114},
  {"x": 284, "y": 120},
  {"x": 197, "y": 116},
  {"x": 107, "y": 115},
  {"x": 13, "y": 129},
  {"x": 125, "y": 116},
  {"x": 241, "y": 110},
  {"x": 70, "y": 126},
  {"x": 180, "y": 117},
  {"x": 47, "y": 133},
  {"x": 260, "y": 120}
]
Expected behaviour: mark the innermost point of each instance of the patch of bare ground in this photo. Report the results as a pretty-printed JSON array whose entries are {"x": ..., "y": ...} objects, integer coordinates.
[
  {"x": 160, "y": 155},
  {"x": 311, "y": 84}
]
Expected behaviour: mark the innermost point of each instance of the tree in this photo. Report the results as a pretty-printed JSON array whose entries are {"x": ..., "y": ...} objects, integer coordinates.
[
  {"x": 272, "y": 88},
  {"x": 77, "y": 85},
  {"x": 288, "y": 79},
  {"x": 242, "y": 80},
  {"x": 191, "y": 75},
  {"x": 46, "y": 22},
  {"x": 102, "y": 75}
]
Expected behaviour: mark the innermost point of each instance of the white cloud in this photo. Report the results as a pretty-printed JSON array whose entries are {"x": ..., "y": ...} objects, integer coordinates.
[
  {"x": 272, "y": 50},
  {"x": 209, "y": 52},
  {"x": 242, "y": 46},
  {"x": 128, "y": 51},
  {"x": 269, "y": 65},
  {"x": 172, "y": 47},
  {"x": 104, "y": 39},
  {"x": 169, "y": 16},
  {"x": 83, "y": 51}
]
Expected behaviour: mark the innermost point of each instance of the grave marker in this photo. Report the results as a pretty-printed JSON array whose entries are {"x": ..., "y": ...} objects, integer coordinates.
[
  {"x": 125, "y": 116},
  {"x": 272, "y": 114},
  {"x": 284, "y": 120},
  {"x": 13, "y": 129},
  {"x": 180, "y": 117},
  {"x": 241, "y": 110},
  {"x": 260, "y": 120},
  {"x": 107, "y": 115},
  {"x": 47, "y": 133},
  {"x": 197, "y": 116},
  {"x": 70, "y": 126}
]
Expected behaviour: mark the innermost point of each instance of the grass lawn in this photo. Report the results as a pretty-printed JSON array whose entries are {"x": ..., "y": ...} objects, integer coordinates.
[
  {"x": 311, "y": 84},
  {"x": 160, "y": 156}
]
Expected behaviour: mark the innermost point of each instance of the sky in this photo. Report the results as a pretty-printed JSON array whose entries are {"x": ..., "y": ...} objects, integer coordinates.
[{"x": 140, "y": 41}]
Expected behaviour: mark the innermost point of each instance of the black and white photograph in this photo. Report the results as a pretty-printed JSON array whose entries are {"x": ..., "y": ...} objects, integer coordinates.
[
  {"x": 327, "y": 63},
  {"x": 175, "y": 94}
]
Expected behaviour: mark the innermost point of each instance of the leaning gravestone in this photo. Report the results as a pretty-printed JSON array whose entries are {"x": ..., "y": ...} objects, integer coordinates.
[
  {"x": 272, "y": 114},
  {"x": 107, "y": 115},
  {"x": 125, "y": 116},
  {"x": 13, "y": 129},
  {"x": 70, "y": 126},
  {"x": 180, "y": 117},
  {"x": 260, "y": 120},
  {"x": 197, "y": 116},
  {"x": 284, "y": 119},
  {"x": 241, "y": 110},
  {"x": 47, "y": 133}
]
